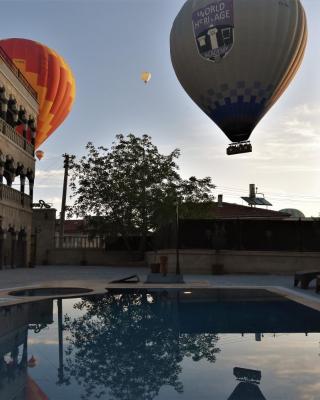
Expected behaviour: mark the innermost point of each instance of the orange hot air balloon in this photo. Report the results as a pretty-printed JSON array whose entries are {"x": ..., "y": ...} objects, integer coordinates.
[
  {"x": 50, "y": 76},
  {"x": 39, "y": 154}
]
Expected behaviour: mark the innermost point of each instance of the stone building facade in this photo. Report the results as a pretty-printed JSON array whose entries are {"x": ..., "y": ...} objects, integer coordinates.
[{"x": 19, "y": 110}]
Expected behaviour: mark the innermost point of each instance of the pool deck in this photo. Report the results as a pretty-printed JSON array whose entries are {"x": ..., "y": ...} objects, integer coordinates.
[{"x": 98, "y": 278}]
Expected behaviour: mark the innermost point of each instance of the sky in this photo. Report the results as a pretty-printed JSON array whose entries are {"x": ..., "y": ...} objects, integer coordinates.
[{"x": 108, "y": 43}]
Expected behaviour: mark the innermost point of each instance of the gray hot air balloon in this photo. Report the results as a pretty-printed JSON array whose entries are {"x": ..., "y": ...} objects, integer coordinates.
[{"x": 236, "y": 57}]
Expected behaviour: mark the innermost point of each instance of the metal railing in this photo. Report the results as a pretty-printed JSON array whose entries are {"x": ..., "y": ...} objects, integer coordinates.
[
  {"x": 4, "y": 56},
  {"x": 80, "y": 242},
  {"x": 10, "y": 132},
  {"x": 11, "y": 195}
]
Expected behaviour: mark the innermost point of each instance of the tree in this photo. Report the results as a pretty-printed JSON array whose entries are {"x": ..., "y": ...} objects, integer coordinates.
[{"x": 131, "y": 187}]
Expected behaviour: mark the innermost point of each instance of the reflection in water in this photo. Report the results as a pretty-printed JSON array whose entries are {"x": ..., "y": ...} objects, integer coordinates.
[
  {"x": 15, "y": 383},
  {"x": 129, "y": 345},
  {"x": 247, "y": 388},
  {"x": 158, "y": 345}
]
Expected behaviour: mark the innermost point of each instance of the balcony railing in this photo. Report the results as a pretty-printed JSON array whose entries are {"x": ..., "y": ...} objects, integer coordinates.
[
  {"x": 8, "y": 194},
  {"x": 10, "y": 132},
  {"x": 80, "y": 242},
  {"x": 4, "y": 56}
]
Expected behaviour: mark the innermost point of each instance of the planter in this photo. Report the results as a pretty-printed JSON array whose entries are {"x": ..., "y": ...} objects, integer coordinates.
[
  {"x": 163, "y": 265},
  {"x": 155, "y": 268}
]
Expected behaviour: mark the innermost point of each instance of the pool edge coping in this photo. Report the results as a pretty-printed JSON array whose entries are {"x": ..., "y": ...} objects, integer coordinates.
[{"x": 99, "y": 287}]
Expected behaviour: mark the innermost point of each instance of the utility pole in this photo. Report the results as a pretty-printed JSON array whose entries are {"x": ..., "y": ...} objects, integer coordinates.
[{"x": 64, "y": 197}]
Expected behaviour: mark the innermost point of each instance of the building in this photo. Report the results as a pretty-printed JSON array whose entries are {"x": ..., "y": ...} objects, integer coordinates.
[
  {"x": 19, "y": 110},
  {"x": 224, "y": 210}
]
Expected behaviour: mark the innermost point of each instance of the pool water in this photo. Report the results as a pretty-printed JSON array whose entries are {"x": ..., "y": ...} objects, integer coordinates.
[{"x": 156, "y": 344}]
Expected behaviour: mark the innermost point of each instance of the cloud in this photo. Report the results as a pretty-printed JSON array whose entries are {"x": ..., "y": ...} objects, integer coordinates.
[
  {"x": 307, "y": 110},
  {"x": 46, "y": 179},
  {"x": 291, "y": 144},
  {"x": 34, "y": 341},
  {"x": 48, "y": 174},
  {"x": 301, "y": 124}
]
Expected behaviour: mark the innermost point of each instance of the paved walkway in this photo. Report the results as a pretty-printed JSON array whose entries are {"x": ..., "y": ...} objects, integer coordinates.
[
  {"x": 25, "y": 277},
  {"x": 22, "y": 277}
]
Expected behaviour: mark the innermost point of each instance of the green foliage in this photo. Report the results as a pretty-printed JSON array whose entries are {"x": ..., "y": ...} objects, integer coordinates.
[{"x": 131, "y": 187}]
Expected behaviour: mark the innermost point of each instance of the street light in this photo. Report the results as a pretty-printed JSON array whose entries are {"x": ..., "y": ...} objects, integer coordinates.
[{"x": 177, "y": 239}]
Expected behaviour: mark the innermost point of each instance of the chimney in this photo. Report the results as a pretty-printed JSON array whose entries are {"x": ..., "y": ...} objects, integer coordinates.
[
  {"x": 220, "y": 198},
  {"x": 252, "y": 191}
]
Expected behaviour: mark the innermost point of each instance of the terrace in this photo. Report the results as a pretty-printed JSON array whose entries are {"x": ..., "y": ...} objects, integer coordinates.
[{"x": 8, "y": 131}]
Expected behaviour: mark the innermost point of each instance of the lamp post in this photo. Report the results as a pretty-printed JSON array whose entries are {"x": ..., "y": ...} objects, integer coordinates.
[
  {"x": 64, "y": 197},
  {"x": 177, "y": 240}
]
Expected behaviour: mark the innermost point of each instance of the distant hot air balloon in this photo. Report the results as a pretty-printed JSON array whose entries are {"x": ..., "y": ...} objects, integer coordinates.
[
  {"x": 50, "y": 76},
  {"x": 32, "y": 362},
  {"x": 145, "y": 77},
  {"x": 236, "y": 57},
  {"x": 39, "y": 154}
]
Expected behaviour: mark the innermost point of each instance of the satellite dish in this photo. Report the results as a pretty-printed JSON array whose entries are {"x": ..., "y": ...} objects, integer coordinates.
[{"x": 293, "y": 212}]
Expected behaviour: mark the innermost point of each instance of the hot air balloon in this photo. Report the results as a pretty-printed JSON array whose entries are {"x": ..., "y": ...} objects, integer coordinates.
[
  {"x": 50, "y": 76},
  {"x": 32, "y": 362},
  {"x": 145, "y": 77},
  {"x": 236, "y": 57},
  {"x": 39, "y": 154}
]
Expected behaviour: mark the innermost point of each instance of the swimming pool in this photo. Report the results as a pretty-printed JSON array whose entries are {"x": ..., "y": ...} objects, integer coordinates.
[{"x": 161, "y": 344}]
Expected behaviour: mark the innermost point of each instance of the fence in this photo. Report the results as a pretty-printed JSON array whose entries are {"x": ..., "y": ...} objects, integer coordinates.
[
  {"x": 10, "y": 132},
  {"x": 80, "y": 242},
  {"x": 243, "y": 234},
  {"x": 8, "y": 194}
]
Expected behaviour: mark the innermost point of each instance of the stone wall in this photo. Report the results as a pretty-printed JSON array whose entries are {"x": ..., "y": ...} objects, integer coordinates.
[
  {"x": 87, "y": 256},
  {"x": 43, "y": 230},
  {"x": 238, "y": 262}
]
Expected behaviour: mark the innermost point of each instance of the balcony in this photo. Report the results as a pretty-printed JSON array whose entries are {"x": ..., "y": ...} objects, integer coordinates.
[
  {"x": 8, "y": 131},
  {"x": 13, "y": 196},
  {"x": 7, "y": 60}
]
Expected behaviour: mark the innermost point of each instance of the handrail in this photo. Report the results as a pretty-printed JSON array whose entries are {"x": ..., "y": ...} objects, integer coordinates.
[
  {"x": 4, "y": 56},
  {"x": 10, "y": 132},
  {"x": 80, "y": 242},
  {"x": 9, "y": 194}
]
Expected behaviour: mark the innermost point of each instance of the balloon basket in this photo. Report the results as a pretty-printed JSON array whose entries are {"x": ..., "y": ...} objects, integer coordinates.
[{"x": 238, "y": 148}]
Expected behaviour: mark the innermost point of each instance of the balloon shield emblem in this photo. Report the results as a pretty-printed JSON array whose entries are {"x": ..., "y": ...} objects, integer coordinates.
[{"x": 213, "y": 27}]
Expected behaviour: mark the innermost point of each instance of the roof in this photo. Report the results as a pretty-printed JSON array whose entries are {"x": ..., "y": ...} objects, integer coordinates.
[
  {"x": 74, "y": 226},
  {"x": 228, "y": 210}
]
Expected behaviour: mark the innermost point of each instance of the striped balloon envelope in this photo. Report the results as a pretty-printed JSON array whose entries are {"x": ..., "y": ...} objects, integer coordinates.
[
  {"x": 236, "y": 57},
  {"x": 50, "y": 76}
]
